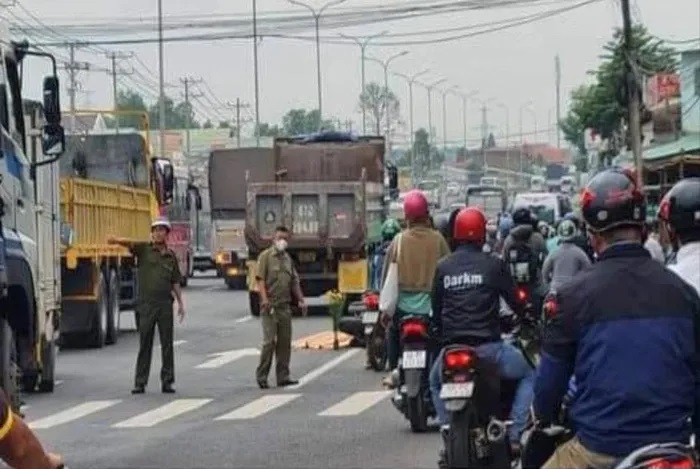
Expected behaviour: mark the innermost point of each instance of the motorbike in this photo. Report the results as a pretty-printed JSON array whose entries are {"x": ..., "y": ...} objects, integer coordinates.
[
  {"x": 412, "y": 393},
  {"x": 374, "y": 333}
]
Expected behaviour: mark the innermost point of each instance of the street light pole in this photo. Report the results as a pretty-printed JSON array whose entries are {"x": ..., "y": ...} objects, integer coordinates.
[
  {"x": 520, "y": 119},
  {"x": 363, "y": 42},
  {"x": 411, "y": 79},
  {"x": 445, "y": 92},
  {"x": 385, "y": 64},
  {"x": 317, "y": 20},
  {"x": 257, "y": 79},
  {"x": 161, "y": 80}
]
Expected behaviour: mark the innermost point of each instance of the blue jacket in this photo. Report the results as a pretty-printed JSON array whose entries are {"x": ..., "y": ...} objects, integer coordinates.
[
  {"x": 376, "y": 265},
  {"x": 628, "y": 330}
]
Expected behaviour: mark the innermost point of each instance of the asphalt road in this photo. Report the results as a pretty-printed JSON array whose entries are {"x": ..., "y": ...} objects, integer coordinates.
[{"x": 338, "y": 417}]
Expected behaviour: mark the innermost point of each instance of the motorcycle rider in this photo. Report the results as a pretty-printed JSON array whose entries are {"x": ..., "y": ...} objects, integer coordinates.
[
  {"x": 628, "y": 330},
  {"x": 467, "y": 290},
  {"x": 679, "y": 212},
  {"x": 563, "y": 264},
  {"x": 390, "y": 228},
  {"x": 652, "y": 242},
  {"x": 421, "y": 249}
]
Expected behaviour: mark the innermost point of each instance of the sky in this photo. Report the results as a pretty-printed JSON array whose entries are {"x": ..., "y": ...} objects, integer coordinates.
[{"x": 507, "y": 69}]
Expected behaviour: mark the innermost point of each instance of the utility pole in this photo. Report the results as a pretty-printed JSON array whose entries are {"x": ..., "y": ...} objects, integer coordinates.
[
  {"x": 238, "y": 105},
  {"x": 634, "y": 126},
  {"x": 484, "y": 133},
  {"x": 73, "y": 67},
  {"x": 257, "y": 79},
  {"x": 557, "y": 71},
  {"x": 113, "y": 57},
  {"x": 187, "y": 82},
  {"x": 161, "y": 80}
]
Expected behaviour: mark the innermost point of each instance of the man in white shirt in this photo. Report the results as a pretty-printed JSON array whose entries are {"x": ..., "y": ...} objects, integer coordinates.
[{"x": 680, "y": 213}]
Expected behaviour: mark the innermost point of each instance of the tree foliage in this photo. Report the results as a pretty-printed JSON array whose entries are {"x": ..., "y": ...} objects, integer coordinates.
[
  {"x": 301, "y": 121},
  {"x": 379, "y": 102},
  {"x": 602, "y": 105},
  {"x": 176, "y": 114},
  {"x": 268, "y": 130}
]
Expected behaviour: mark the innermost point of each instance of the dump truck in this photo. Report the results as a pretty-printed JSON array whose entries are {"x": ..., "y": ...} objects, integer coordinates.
[
  {"x": 110, "y": 185},
  {"x": 228, "y": 168},
  {"x": 329, "y": 190},
  {"x": 32, "y": 141}
]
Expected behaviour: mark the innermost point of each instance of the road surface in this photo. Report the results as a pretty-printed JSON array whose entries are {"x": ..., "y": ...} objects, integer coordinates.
[{"x": 338, "y": 417}]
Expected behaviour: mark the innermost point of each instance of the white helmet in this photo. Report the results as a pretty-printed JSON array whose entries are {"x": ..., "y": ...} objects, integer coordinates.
[{"x": 161, "y": 221}]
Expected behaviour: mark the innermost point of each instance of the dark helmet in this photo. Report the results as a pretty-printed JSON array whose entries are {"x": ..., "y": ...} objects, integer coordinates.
[
  {"x": 470, "y": 226},
  {"x": 612, "y": 199},
  {"x": 680, "y": 207},
  {"x": 522, "y": 216},
  {"x": 442, "y": 224}
]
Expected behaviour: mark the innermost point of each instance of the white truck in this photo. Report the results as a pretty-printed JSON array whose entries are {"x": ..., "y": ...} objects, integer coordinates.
[{"x": 29, "y": 226}]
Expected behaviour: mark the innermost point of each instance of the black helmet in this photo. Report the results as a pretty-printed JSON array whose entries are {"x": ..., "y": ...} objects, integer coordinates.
[
  {"x": 442, "y": 224},
  {"x": 612, "y": 199},
  {"x": 522, "y": 216},
  {"x": 680, "y": 207}
]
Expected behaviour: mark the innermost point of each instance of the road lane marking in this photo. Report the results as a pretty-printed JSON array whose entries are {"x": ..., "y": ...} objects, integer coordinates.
[
  {"x": 162, "y": 413},
  {"x": 259, "y": 407},
  {"x": 355, "y": 404},
  {"x": 220, "y": 359},
  {"x": 243, "y": 319},
  {"x": 213, "y": 288},
  {"x": 74, "y": 413},
  {"x": 313, "y": 374}
]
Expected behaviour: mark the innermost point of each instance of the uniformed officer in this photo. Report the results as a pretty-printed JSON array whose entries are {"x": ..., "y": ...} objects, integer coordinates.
[
  {"x": 278, "y": 287},
  {"x": 627, "y": 329},
  {"x": 19, "y": 446},
  {"x": 158, "y": 280}
]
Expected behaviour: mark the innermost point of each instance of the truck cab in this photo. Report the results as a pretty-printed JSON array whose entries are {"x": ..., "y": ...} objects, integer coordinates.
[{"x": 29, "y": 298}]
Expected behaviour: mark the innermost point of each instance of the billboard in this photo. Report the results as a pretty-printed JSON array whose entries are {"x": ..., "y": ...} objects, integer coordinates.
[{"x": 662, "y": 87}]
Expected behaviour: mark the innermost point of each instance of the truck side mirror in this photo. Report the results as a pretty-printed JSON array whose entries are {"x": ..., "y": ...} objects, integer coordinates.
[
  {"x": 164, "y": 178},
  {"x": 52, "y": 104},
  {"x": 53, "y": 140},
  {"x": 197, "y": 199}
]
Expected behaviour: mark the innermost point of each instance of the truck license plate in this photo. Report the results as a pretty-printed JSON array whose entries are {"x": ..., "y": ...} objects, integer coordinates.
[
  {"x": 370, "y": 317},
  {"x": 413, "y": 359},
  {"x": 457, "y": 390},
  {"x": 307, "y": 256}
]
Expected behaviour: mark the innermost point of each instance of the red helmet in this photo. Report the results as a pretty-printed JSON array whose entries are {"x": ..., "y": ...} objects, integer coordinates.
[
  {"x": 470, "y": 225},
  {"x": 415, "y": 205}
]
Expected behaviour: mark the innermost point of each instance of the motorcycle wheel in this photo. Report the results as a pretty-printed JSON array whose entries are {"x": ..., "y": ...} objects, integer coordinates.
[
  {"x": 417, "y": 414},
  {"x": 458, "y": 445},
  {"x": 376, "y": 351}
]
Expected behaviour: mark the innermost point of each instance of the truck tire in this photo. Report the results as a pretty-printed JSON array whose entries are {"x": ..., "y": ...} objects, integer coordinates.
[
  {"x": 254, "y": 303},
  {"x": 113, "y": 313},
  {"x": 48, "y": 369},
  {"x": 8, "y": 368},
  {"x": 100, "y": 315}
]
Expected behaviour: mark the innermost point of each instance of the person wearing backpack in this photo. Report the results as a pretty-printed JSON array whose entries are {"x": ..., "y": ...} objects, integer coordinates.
[{"x": 524, "y": 251}]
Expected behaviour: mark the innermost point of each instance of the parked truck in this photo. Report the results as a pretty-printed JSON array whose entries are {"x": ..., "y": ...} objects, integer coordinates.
[
  {"x": 227, "y": 195},
  {"x": 329, "y": 191},
  {"x": 110, "y": 185},
  {"x": 553, "y": 173},
  {"x": 32, "y": 140}
]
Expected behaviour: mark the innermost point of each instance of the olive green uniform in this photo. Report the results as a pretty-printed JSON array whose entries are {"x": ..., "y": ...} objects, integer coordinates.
[
  {"x": 277, "y": 272},
  {"x": 158, "y": 271}
]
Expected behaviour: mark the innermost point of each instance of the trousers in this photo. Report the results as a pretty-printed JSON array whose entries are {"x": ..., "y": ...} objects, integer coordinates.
[
  {"x": 573, "y": 455},
  {"x": 511, "y": 365},
  {"x": 277, "y": 343},
  {"x": 148, "y": 317}
]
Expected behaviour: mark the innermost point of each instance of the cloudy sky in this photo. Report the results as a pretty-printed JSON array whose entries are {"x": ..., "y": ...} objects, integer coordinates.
[{"x": 510, "y": 67}]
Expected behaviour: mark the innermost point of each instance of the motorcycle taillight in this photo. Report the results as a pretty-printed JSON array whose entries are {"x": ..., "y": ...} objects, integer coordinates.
[
  {"x": 459, "y": 359},
  {"x": 550, "y": 309},
  {"x": 678, "y": 462},
  {"x": 414, "y": 329},
  {"x": 521, "y": 294},
  {"x": 371, "y": 301}
]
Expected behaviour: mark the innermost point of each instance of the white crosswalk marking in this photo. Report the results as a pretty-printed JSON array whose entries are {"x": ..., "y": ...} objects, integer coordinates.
[
  {"x": 162, "y": 413},
  {"x": 74, "y": 413},
  {"x": 259, "y": 407},
  {"x": 355, "y": 404}
]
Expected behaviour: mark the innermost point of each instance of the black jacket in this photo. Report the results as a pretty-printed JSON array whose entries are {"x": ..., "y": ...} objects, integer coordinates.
[{"x": 467, "y": 289}]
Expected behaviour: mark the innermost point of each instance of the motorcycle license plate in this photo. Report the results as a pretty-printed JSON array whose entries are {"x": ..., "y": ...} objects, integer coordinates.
[
  {"x": 370, "y": 317},
  {"x": 413, "y": 359},
  {"x": 457, "y": 390}
]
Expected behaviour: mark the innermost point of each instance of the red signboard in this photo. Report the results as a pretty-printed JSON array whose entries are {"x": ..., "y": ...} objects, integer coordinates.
[{"x": 661, "y": 87}]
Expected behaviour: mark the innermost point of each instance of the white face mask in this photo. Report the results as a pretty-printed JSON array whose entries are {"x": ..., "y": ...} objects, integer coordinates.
[{"x": 281, "y": 244}]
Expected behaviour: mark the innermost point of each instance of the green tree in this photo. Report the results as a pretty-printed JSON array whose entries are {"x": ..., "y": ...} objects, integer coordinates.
[
  {"x": 267, "y": 130},
  {"x": 129, "y": 100},
  {"x": 301, "y": 121},
  {"x": 207, "y": 124},
  {"x": 224, "y": 125},
  {"x": 602, "y": 105},
  {"x": 378, "y": 102}
]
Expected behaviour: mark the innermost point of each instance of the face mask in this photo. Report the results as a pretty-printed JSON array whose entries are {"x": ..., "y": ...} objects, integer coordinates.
[{"x": 281, "y": 245}]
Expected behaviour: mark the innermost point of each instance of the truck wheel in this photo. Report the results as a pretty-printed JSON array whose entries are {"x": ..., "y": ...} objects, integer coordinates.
[
  {"x": 254, "y": 303},
  {"x": 48, "y": 369},
  {"x": 113, "y": 312},
  {"x": 8, "y": 369},
  {"x": 100, "y": 316}
]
